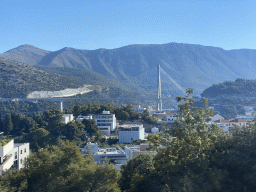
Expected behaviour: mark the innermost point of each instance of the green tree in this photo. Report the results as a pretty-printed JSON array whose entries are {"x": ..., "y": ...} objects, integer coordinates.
[
  {"x": 76, "y": 111},
  {"x": 38, "y": 138},
  {"x": 182, "y": 161},
  {"x": 53, "y": 119},
  {"x": 138, "y": 174},
  {"x": 92, "y": 129},
  {"x": 62, "y": 169},
  {"x": 1, "y": 123},
  {"x": 39, "y": 120},
  {"x": 73, "y": 130},
  {"x": 8, "y": 123},
  {"x": 124, "y": 115}
]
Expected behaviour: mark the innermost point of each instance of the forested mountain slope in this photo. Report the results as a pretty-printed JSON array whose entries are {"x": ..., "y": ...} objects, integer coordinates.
[
  {"x": 18, "y": 79},
  {"x": 239, "y": 87},
  {"x": 183, "y": 65}
]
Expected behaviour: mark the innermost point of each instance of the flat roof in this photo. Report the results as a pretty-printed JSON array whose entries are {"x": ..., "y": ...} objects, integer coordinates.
[{"x": 19, "y": 144}]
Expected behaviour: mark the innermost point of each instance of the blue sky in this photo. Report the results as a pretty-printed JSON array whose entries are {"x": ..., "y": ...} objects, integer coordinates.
[{"x": 93, "y": 24}]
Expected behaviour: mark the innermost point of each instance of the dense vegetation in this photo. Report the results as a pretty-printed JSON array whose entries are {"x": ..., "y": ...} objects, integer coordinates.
[
  {"x": 46, "y": 128},
  {"x": 82, "y": 76},
  {"x": 18, "y": 79},
  {"x": 239, "y": 87},
  {"x": 61, "y": 168},
  {"x": 229, "y": 98},
  {"x": 191, "y": 157},
  {"x": 98, "y": 92}
]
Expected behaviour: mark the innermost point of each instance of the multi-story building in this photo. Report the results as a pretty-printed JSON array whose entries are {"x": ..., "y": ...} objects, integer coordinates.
[
  {"x": 68, "y": 118},
  {"x": 115, "y": 155},
  {"x": 106, "y": 122},
  {"x": 129, "y": 133},
  {"x": 12, "y": 154},
  {"x": 132, "y": 151}
]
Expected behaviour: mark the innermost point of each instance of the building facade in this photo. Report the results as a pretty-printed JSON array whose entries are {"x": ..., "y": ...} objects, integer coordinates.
[
  {"x": 129, "y": 133},
  {"x": 106, "y": 122},
  {"x": 115, "y": 155},
  {"x": 13, "y": 155},
  {"x": 132, "y": 151},
  {"x": 166, "y": 117},
  {"x": 68, "y": 118}
]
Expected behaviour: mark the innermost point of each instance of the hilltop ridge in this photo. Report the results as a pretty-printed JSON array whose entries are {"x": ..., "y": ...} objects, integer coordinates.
[{"x": 184, "y": 65}]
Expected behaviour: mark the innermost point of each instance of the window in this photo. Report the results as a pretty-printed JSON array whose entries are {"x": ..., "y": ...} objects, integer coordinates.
[
  {"x": 20, "y": 151},
  {"x": 16, "y": 155},
  {"x": 25, "y": 150}
]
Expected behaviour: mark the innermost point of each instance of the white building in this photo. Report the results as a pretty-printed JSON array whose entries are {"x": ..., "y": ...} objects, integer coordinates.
[
  {"x": 154, "y": 130},
  {"x": 138, "y": 108},
  {"x": 129, "y": 133},
  {"x": 216, "y": 117},
  {"x": 115, "y": 155},
  {"x": 132, "y": 151},
  {"x": 68, "y": 118},
  {"x": 166, "y": 117},
  {"x": 80, "y": 118},
  {"x": 227, "y": 124},
  {"x": 12, "y": 154},
  {"x": 248, "y": 108},
  {"x": 106, "y": 122}
]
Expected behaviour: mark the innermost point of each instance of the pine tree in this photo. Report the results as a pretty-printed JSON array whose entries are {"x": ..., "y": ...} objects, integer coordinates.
[
  {"x": 8, "y": 124},
  {"x": 1, "y": 123}
]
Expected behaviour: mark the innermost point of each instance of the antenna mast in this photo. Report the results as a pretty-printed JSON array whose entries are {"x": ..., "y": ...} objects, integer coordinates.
[{"x": 159, "y": 95}]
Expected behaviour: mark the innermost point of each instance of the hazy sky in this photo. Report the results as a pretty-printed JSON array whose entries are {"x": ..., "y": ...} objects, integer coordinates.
[{"x": 93, "y": 24}]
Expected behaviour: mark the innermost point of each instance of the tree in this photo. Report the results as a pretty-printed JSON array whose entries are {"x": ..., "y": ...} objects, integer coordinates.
[
  {"x": 181, "y": 164},
  {"x": 137, "y": 174},
  {"x": 62, "y": 169},
  {"x": 38, "y": 138},
  {"x": 39, "y": 120},
  {"x": 53, "y": 118},
  {"x": 76, "y": 111},
  {"x": 73, "y": 130},
  {"x": 8, "y": 123},
  {"x": 91, "y": 128},
  {"x": 1, "y": 123}
]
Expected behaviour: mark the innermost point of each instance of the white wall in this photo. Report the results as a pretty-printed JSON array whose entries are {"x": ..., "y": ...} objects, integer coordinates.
[{"x": 6, "y": 148}]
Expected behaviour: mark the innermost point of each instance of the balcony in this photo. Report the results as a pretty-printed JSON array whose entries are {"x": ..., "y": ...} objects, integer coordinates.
[{"x": 6, "y": 162}]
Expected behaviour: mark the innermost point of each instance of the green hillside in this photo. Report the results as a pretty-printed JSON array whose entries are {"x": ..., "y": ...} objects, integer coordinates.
[
  {"x": 239, "y": 87},
  {"x": 18, "y": 79}
]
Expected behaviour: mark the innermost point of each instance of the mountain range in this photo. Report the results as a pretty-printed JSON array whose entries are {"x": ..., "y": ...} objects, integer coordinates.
[{"x": 135, "y": 66}]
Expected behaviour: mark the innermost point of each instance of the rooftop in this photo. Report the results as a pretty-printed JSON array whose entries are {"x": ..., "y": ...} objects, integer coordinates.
[
  {"x": 109, "y": 151},
  {"x": 19, "y": 144}
]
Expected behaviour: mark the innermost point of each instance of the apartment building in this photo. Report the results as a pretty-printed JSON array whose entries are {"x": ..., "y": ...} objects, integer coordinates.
[
  {"x": 106, "y": 122},
  {"x": 12, "y": 154},
  {"x": 130, "y": 132}
]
